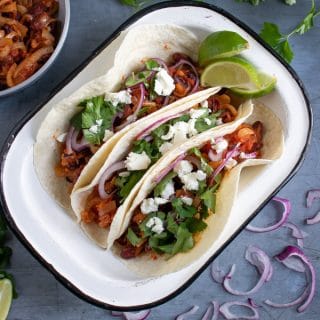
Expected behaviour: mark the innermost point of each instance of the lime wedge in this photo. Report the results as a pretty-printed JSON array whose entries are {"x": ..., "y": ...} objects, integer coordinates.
[
  {"x": 5, "y": 298},
  {"x": 266, "y": 85},
  {"x": 229, "y": 73},
  {"x": 221, "y": 44}
]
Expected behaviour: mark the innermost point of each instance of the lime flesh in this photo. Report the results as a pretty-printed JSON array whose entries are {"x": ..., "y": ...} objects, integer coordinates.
[
  {"x": 5, "y": 298},
  {"x": 229, "y": 73},
  {"x": 221, "y": 44}
]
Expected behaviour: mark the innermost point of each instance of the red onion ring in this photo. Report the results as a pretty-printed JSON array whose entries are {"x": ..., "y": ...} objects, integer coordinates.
[
  {"x": 166, "y": 170},
  {"x": 296, "y": 233},
  {"x": 261, "y": 261},
  {"x": 217, "y": 274},
  {"x": 78, "y": 146},
  {"x": 106, "y": 175},
  {"x": 194, "y": 70},
  {"x": 161, "y": 62},
  {"x": 141, "y": 315},
  {"x": 68, "y": 140},
  {"x": 285, "y": 214},
  {"x": 212, "y": 312},
  {"x": 315, "y": 219},
  {"x": 165, "y": 100},
  {"x": 311, "y": 196},
  {"x": 186, "y": 84},
  {"x": 252, "y": 303},
  {"x": 192, "y": 311},
  {"x": 309, "y": 293},
  {"x": 134, "y": 116},
  {"x": 156, "y": 124},
  {"x": 225, "y": 311},
  {"x": 229, "y": 155},
  {"x": 214, "y": 156},
  {"x": 115, "y": 117}
]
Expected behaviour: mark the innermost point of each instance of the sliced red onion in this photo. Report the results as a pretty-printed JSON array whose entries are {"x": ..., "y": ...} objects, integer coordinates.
[
  {"x": 212, "y": 312},
  {"x": 217, "y": 274},
  {"x": 194, "y": 160},
  {"x": 117, "y": 313},
  {"x": 261, "y": 261},
  {"x": 252, "y": 303},
  {"x": 69, "y": 139},
  {"x": 156, "y": 124},
  {"x": 229, "y": 155},
  {"x": 178, "y": 79},
  {"x": 251, "y": 155},
  {"x": 133, "y": 117},
  {"x": 285, "y": 214},
  {"x": 296, "y": 233},
  {"x": 225, "y": 311},
  {"x": 165, "y": 100},
  {"x": 194, "y": 70},
  {"x": 314, "y": 220},
  {"x": 214, "y": 156},
  {"x": 148, "y": 138},
  {"x": 166, "y": 170},
  {"x": 161, "y": 63},
  {"x": 78, "y": 146},
  {"x": 115, "y": 117},
  {"x": 184, "y": 315},
  {"x": 309, "y": 293},
  {"x": 311, "y": 196},
  {"x": 106, "y": 175}
]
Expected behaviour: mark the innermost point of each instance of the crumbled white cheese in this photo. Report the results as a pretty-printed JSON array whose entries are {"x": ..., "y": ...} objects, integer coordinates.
[
  {"x": 183, "y": 167},
  {"x": 220, "y": 146},
  {"x": 160, "y": 201},
  {"x": 124, "y": 174},
  {"x": 155, "y": 224},
  {"x": 197, "y": 113},
  {"x": 115, "y": 98},
  {"x": 107, "y": 135},
  {"x": 205, "y": 104},
  {"x": 165, "y": 147},
  {"x": 190, "y": 181},
  {"x": 99, "y": 122},
  {"x": 201, "y": 175},
  {"x": 170, "y": 134},
  {"x": 148, "y": 205},
  {"x": 168, "y": 190},
  {"x": 164, "y": 83},
  {"x": 192, "y": 131},
  {"x": 230, "y": 163},
  {"x": 181, "y": 130},
  {"x": 62, "y": 137},
  {"x": 94, "y": 129},
  {"x": 188, "y": 201},
  {"x": 137, "y": 161},
  {"x": 219, "y": 122},
  {"x": 207, "y": 121}
]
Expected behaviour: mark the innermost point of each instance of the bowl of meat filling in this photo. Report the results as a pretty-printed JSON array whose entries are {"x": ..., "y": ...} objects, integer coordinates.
[{"x": 32, "y": 33}]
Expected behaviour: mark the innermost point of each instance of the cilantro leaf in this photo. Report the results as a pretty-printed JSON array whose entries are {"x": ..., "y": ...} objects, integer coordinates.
[
  {"x": 151, "y": 64},
  {"x": 5, "y": 255},
  {"x": 125, "y": 184},
  {"x": 195, "y": 225},
  {"x": 149, "y": 148},
  {"x": 204, "y": 164},
  {"x": 308, "y": 22},
  {"x": 209, "y": 196},
  {"x": 136, "y": 78},
  {"x": 183, "y": 210},
  {"x": 270, "y": 33},
  {"x": 133, "y": 238}
]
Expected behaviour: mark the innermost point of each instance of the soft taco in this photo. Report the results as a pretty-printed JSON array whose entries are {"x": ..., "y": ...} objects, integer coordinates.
[
  {"x": 185, "y": 201},
  {"x": 101, "y": 204},
  {"x": 154, "y": 71}
]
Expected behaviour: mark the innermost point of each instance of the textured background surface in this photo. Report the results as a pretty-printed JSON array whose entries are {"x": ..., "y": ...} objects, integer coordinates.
[{"x": 42, "y": 297}]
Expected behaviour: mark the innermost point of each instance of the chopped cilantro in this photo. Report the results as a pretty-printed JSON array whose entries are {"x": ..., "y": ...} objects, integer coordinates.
[
  {"x": 195, "y": 225},
  {"x": 204, "y": 164},
  {"x": 151, "y": 64},
  {"x": 149, "y": 148},
  {"x": 183, "y": 210},
  {"x": 125, "y": 184},
  {"x": 139, "y": 77},
  {"x": 133, "y": 238}
]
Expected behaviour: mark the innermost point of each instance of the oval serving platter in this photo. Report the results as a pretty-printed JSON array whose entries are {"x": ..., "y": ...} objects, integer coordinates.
[{"x": 56, "y": 240}]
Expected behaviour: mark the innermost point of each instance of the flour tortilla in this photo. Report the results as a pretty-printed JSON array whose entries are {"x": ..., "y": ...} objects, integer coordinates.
[
  {"x": 226, "y": 196},
  {"x": 139, "y": 44},
  {"x": 119, "y": 152}
]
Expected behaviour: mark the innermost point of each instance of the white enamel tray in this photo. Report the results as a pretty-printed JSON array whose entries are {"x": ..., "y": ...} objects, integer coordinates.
[{"x": 58, "y": 242}]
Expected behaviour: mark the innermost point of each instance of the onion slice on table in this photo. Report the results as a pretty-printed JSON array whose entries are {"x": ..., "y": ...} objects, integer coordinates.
[
  {"x": 192, "y": 311},
  {"x": 285, "y": 214},
  {"x": 141, "y": 315},
  {"x": 212, "y": 312},
  {"x": 106, "y": 175},
  {"x": 261, "y": 261},
  {"x": 296, "y": 233},
  {"x": 311, "y": 196},
  {"x": 217, "y": 274},
  {"x": 225, "y": 311},
  {"x": 308, "y": 294},
  {"x": 166, "y": 170},
  {"x": 315, "y": 219}
]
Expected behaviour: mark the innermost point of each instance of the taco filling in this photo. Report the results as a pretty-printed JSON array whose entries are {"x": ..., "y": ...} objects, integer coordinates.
[
  {"x": 147, "y": 148},
  {"x": 143, "y": 93},
  {"x": 172, "y": 218}
]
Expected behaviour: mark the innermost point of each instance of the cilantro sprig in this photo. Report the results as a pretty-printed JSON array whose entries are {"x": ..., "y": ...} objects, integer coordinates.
[{"x": 280, "y": 42}]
